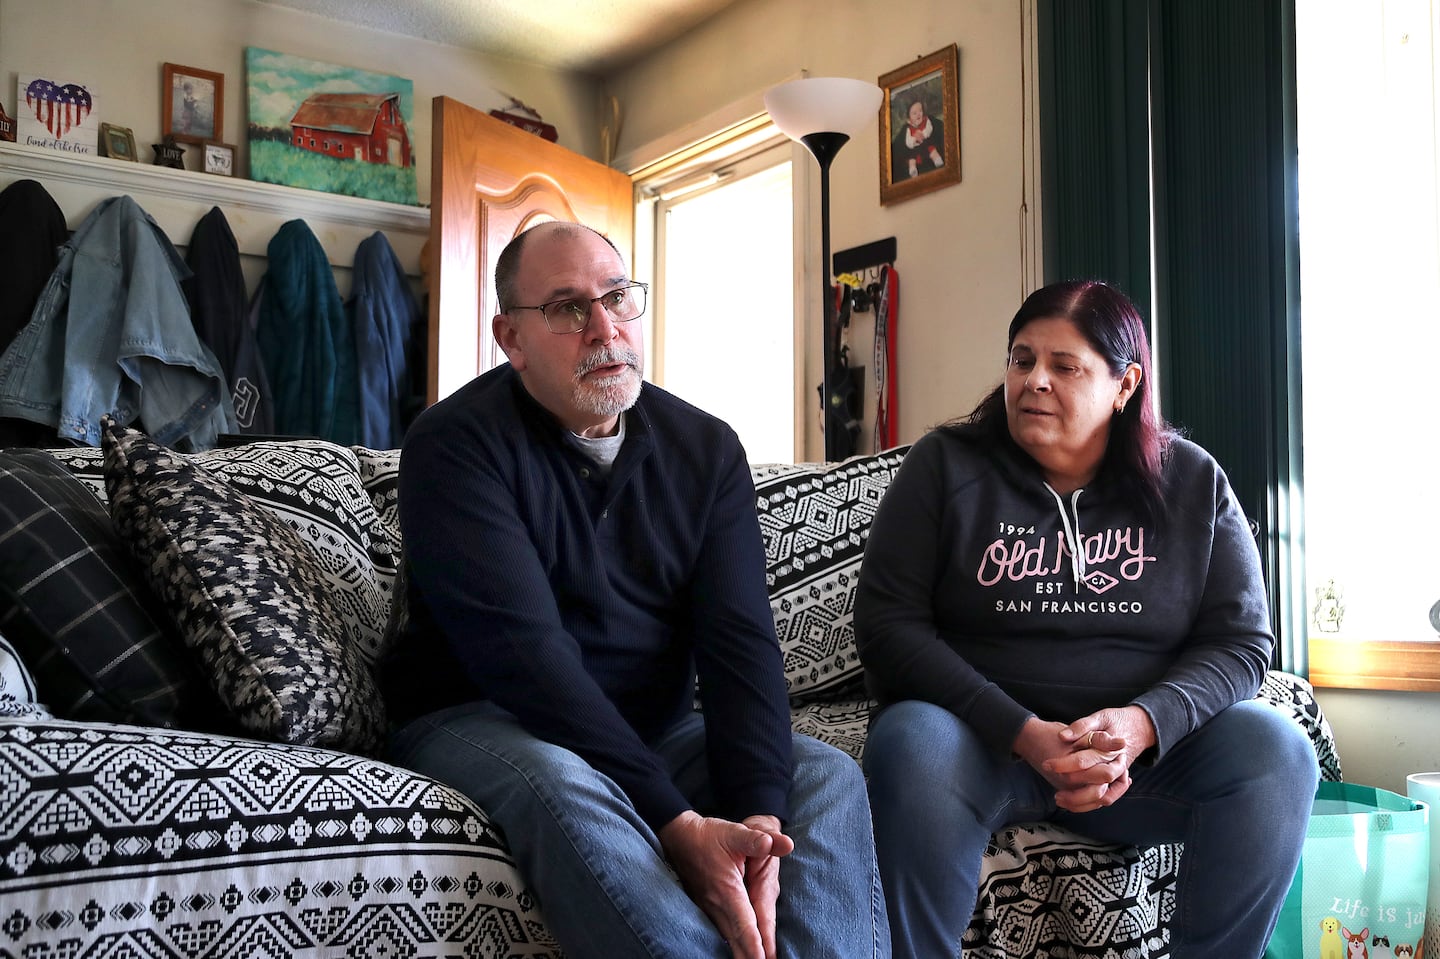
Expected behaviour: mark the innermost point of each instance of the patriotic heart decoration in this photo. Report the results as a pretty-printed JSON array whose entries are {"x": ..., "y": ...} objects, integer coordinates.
[{"x": 58, "y": 107}]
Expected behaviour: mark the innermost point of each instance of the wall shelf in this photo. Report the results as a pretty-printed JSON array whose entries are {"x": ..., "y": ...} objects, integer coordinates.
[{"x": 177, "y": 199}]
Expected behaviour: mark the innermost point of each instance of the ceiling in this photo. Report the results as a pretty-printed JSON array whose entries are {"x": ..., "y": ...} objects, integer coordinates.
[{"x": 588, "y": 36}]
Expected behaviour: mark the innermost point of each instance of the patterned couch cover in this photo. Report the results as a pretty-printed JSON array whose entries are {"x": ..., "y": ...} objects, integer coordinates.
[{"x": 122, "y": 841}]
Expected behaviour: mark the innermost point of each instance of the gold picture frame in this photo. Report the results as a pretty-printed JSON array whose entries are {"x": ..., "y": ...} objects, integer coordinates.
[
  {"x": 920, "y": 126},
  {"x": 117, "y": 143},
  {"x": 192, "y": 104}
]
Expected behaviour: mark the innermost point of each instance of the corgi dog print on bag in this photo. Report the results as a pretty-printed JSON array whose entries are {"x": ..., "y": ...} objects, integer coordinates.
[{"x": 1355, "y": 943}]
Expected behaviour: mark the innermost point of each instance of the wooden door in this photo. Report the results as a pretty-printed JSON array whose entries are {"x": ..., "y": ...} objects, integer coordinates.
[{"x": 490, "y": 181}]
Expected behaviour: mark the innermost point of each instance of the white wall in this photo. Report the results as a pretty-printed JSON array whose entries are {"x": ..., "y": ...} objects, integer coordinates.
[
  {"x": 1383, "y": 736},
  {"x": 119, "y": 46},
  {"x": 959, "y": 248}
]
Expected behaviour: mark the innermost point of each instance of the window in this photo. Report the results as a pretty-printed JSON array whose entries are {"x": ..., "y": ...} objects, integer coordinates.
[
  {"x": 717, "y": 231},
  {"x": 1370, "y": 296}
]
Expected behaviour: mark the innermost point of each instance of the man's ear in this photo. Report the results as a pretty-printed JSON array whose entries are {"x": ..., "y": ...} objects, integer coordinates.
[{"x": 503, "y": 329}]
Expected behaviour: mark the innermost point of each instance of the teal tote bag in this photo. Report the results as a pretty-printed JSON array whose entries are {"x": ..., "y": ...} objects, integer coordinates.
[{"x": 1361, "y": 886}]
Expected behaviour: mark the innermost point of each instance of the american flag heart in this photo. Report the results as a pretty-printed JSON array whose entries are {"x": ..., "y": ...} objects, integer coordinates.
[{"x": 58, "y": 107}]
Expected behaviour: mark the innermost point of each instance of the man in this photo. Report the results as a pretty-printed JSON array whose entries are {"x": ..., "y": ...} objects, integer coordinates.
[
  {"x": 580, "y": 546},
  {"x": 919, "y": 146}
]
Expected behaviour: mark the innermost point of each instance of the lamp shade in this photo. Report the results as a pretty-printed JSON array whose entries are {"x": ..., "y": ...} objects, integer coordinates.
[{"x": 822, "y": 105}]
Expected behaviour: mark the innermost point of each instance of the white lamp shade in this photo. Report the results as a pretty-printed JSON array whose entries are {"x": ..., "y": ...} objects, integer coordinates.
[{"x": 823, "y": 105}]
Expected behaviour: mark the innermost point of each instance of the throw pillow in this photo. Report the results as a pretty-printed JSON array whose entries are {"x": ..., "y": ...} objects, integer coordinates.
[
  {"x": 815, "y": 519},
  {"x": 79, "y": 614},
  {"x": 324, "y": 493},
  {"x": 250, "y": 597},
  {"x": 18, "y": 697}
]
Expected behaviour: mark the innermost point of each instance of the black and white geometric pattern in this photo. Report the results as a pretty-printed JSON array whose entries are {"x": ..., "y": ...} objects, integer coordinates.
[
  {"x": 814, "y": 519},
  {"x": 124, "y": 841},
  {"x": 19, "y": 699},
  {"x": 247, "y": 595},
  {"x": 1046, "y": 891}
]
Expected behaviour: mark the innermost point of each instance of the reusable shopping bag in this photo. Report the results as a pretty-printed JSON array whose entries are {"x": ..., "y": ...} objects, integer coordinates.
[{"x": 1360, "y": 890}]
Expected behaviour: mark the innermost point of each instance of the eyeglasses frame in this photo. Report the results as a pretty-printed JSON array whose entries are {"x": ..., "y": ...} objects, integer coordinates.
[{"x": 544, "y": 308}]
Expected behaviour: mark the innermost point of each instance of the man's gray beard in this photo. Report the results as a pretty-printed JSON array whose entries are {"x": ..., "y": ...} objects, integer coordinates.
[{"x": 611, "y": 395}]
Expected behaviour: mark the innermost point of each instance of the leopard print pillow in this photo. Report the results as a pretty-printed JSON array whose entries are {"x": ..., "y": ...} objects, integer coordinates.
[{"x": 248, "y": 596}]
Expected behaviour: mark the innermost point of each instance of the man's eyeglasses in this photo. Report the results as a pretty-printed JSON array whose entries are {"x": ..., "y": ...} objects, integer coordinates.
[{"x": 571, "y": 316}]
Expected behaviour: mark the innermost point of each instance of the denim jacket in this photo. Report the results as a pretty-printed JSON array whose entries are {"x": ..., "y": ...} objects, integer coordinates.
[{"x": 111, "y": 333}]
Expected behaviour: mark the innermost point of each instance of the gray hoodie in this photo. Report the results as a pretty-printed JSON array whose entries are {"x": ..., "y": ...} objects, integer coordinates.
[{"x": 984, "y": 591}]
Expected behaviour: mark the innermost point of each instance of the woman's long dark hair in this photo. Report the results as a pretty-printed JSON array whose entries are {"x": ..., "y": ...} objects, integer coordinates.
[{"x": 1112, "y": 325}]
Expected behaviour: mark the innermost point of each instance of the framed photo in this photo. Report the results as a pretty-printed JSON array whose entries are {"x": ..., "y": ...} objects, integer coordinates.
[
  {"x": 118, "y": 143},
  {"x": 220, "y": 158},
  {"x": 920, "y": 126},
  {"x": 192, "y": 104}
]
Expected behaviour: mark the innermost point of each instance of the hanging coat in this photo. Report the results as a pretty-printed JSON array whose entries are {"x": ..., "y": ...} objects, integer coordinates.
[
  {"x": 216, "y": 293},
  {"x": 306, "y": 344},
  {"x": 111, "y": 333},
  {"x": 32, "y": 227},
  {"x": 385, "y": 315}
]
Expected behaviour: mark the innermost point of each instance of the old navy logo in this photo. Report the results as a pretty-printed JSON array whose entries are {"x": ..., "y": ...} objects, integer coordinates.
[{"x": 1017, "y": 560}]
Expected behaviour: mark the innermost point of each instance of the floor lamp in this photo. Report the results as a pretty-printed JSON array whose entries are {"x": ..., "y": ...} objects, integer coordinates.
[{"x": 823, "y": 113}]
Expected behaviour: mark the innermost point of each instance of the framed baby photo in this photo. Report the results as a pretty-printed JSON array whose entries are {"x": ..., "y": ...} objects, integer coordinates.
[
  {"x": 118, "y": 143},
  {"x": 920, "y": 126},
  {"x": 192, "y": 104}
]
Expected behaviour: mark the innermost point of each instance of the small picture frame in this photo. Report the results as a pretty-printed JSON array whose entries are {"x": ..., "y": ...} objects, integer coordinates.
[
  {"x": 220, "y": 159},
  {"x": 192, "y": 104},
  {"x": 920, "y": 126},
  {"x": 117, "y": 143}
]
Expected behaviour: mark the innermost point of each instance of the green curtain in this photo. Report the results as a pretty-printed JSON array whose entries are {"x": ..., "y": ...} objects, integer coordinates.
[{"x": 1169, "y": 168}]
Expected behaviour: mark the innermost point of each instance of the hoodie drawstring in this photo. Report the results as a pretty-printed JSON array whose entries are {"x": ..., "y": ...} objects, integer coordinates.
[{"x": 1072, "y": 533}]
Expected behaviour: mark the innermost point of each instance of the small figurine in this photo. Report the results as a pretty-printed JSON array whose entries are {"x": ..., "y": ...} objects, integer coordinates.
[
  {"x": 1329, "y": 610},
  {"x": 169, "y": 154}
]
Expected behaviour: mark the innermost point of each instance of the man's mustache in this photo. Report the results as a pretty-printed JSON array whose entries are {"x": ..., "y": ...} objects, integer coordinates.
[{"x": 606, "y": 357}]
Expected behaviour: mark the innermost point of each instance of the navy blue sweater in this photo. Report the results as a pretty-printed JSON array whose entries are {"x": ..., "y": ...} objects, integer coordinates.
[{"x": 586, "y": 604}]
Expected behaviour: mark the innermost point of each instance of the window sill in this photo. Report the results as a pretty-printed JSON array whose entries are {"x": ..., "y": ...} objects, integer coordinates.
[{"x": 1357, "y": 664}]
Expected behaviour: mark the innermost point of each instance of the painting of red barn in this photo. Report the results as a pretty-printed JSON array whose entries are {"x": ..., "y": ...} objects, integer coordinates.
[
  {"x": 359, "y": 126},
  {"x": 324, "y": 126}
]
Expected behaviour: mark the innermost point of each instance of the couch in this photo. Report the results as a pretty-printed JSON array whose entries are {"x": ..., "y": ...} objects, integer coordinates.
[{"x": 146, "y": 809}]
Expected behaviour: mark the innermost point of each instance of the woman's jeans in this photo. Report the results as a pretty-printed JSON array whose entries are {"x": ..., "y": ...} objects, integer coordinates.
[
  {"x": 1237, "y": 792},
  {"x": 598, "y": 869}
]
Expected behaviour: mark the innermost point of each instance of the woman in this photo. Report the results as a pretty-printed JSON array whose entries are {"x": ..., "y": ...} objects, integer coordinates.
[{"x": 1063, "y": 617}]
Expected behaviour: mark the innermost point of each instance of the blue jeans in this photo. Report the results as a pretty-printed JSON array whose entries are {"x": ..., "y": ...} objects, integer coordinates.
[
  {"x": 598, "y": 869},
  {"x": 1237, "y": 792}
]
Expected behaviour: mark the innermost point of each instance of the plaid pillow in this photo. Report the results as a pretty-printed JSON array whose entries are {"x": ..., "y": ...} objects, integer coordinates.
[
  {"x": 249, "y": 595},
  {"x": 78, "y": 613}
]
